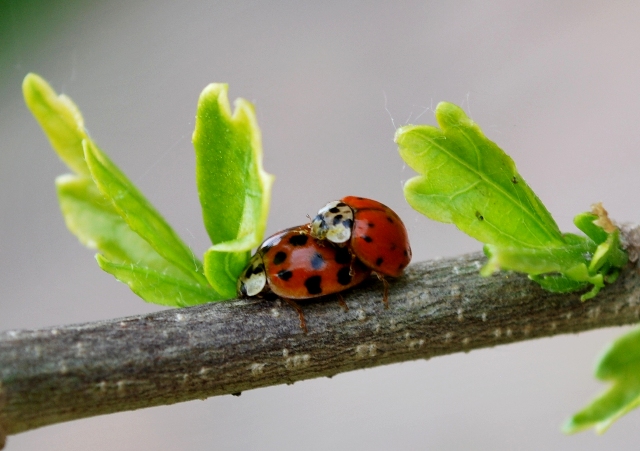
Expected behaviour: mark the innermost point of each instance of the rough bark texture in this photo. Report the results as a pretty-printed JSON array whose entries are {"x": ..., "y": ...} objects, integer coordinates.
[{"x": 438, "y": 307}]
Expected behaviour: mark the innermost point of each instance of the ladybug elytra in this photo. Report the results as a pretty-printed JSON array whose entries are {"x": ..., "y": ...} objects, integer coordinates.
[
  {"x": 293, "y": 266},
  {"x": 373, "y": 231}
]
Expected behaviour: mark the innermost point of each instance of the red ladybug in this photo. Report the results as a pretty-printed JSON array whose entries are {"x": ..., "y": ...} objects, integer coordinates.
[
  {"x": 293, "y": 265},
  {"x": 373, "y": 231}
]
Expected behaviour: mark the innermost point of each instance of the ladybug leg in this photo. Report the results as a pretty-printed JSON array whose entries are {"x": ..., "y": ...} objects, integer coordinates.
[
  {"x": 343, "y": 304},
  {"x": 297, "y": 308},
  {"x": 385, "y": 296}
]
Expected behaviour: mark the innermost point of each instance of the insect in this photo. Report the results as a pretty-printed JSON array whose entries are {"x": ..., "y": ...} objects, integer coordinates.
[
  {"x": 293, "y": 265},
  {"x": 374, "y": 233}
]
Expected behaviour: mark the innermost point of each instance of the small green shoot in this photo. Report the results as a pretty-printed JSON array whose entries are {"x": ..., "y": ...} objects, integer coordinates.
[
  {"x": 620, "y": 365},
  {"x": 467, "y": 180},
  {"x": 108, "y": 213}
]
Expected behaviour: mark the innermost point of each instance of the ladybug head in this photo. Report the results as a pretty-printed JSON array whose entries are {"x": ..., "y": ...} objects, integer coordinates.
[
  {"x": 253, "y": 279},
  {"x": 333, "y": 222}
]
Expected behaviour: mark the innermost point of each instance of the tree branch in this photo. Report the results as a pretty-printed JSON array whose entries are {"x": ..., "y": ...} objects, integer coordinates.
[{"x": 438, "y": 307}]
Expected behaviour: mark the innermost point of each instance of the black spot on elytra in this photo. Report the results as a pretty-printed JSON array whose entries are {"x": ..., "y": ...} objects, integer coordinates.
[
  {"x": 334, "y": 210},
  {"x": 254, "y": 270},
  {"x": 393, "y": 246},
  {"x": 367, "y": 238},
  {"x": 279, "y": 258},
  {"x": 360, "y": 198},
  {"x": 379, "y": 261},
  {"x": 298, "y": 240},
  {"x": 313, "y": 284},
  {"x": 371, "y": 224},
  {"x": 479, "y": 216},
  {"x": 285, "y": 274},
  {"x": 390, "y": 219},
  {"x": 344, "y": 276},
  {"x": 317, "y": 262},
  {"x": 343, "y": 256},
  {"x": 406, "y": 253},
  {"x": 337, "y": 219}
]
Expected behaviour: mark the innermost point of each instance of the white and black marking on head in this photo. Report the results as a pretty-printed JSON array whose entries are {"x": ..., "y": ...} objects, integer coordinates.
[
  {"x": 253, "y": 279},
  {"x": 333, "y": 222}
]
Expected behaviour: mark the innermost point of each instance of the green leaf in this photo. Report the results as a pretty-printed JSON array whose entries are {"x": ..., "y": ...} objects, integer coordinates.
[
  {"x": 234, "y": 189},
  {"x": 158, "y": 288},
  {"x": 558, "y": 283},
  {"x": 60, "y": 119},
  {"x": 466, "y": 179},
  {"x": 585, "y": 222},
  {"x": 223, "y": 269},
  {"x": 609, "y": 253},
  {"x": 620, "y": 364},
  {"x": 539, "y": 260},
  {"x": 97, "y": 224},
  {"x": 139, "y": 214},
  {"x": 557, "y": 269}
]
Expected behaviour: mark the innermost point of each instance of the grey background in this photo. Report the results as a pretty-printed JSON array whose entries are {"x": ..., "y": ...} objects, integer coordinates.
[{"x": 556, "y": 84}]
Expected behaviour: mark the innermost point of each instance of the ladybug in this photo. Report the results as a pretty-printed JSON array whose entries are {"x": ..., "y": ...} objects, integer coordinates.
[
  {"x": 292, "y": 265},
  {"x": 374, "y": 233}
]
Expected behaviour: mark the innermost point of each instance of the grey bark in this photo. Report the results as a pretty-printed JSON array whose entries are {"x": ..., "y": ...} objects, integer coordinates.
[{"x": 438, "y": 307}]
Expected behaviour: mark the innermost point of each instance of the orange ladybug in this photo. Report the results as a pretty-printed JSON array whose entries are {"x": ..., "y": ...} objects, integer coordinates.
[
  {"x": 293, "y": 265},
  {"x": 375, "y": 234}
]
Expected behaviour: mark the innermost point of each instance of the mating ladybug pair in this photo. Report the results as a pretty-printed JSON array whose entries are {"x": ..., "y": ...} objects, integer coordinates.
[{"x": 347, "y": 241}]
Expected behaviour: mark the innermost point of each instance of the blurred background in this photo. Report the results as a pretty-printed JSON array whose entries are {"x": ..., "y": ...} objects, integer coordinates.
[{"x": 555, "y": 84}]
